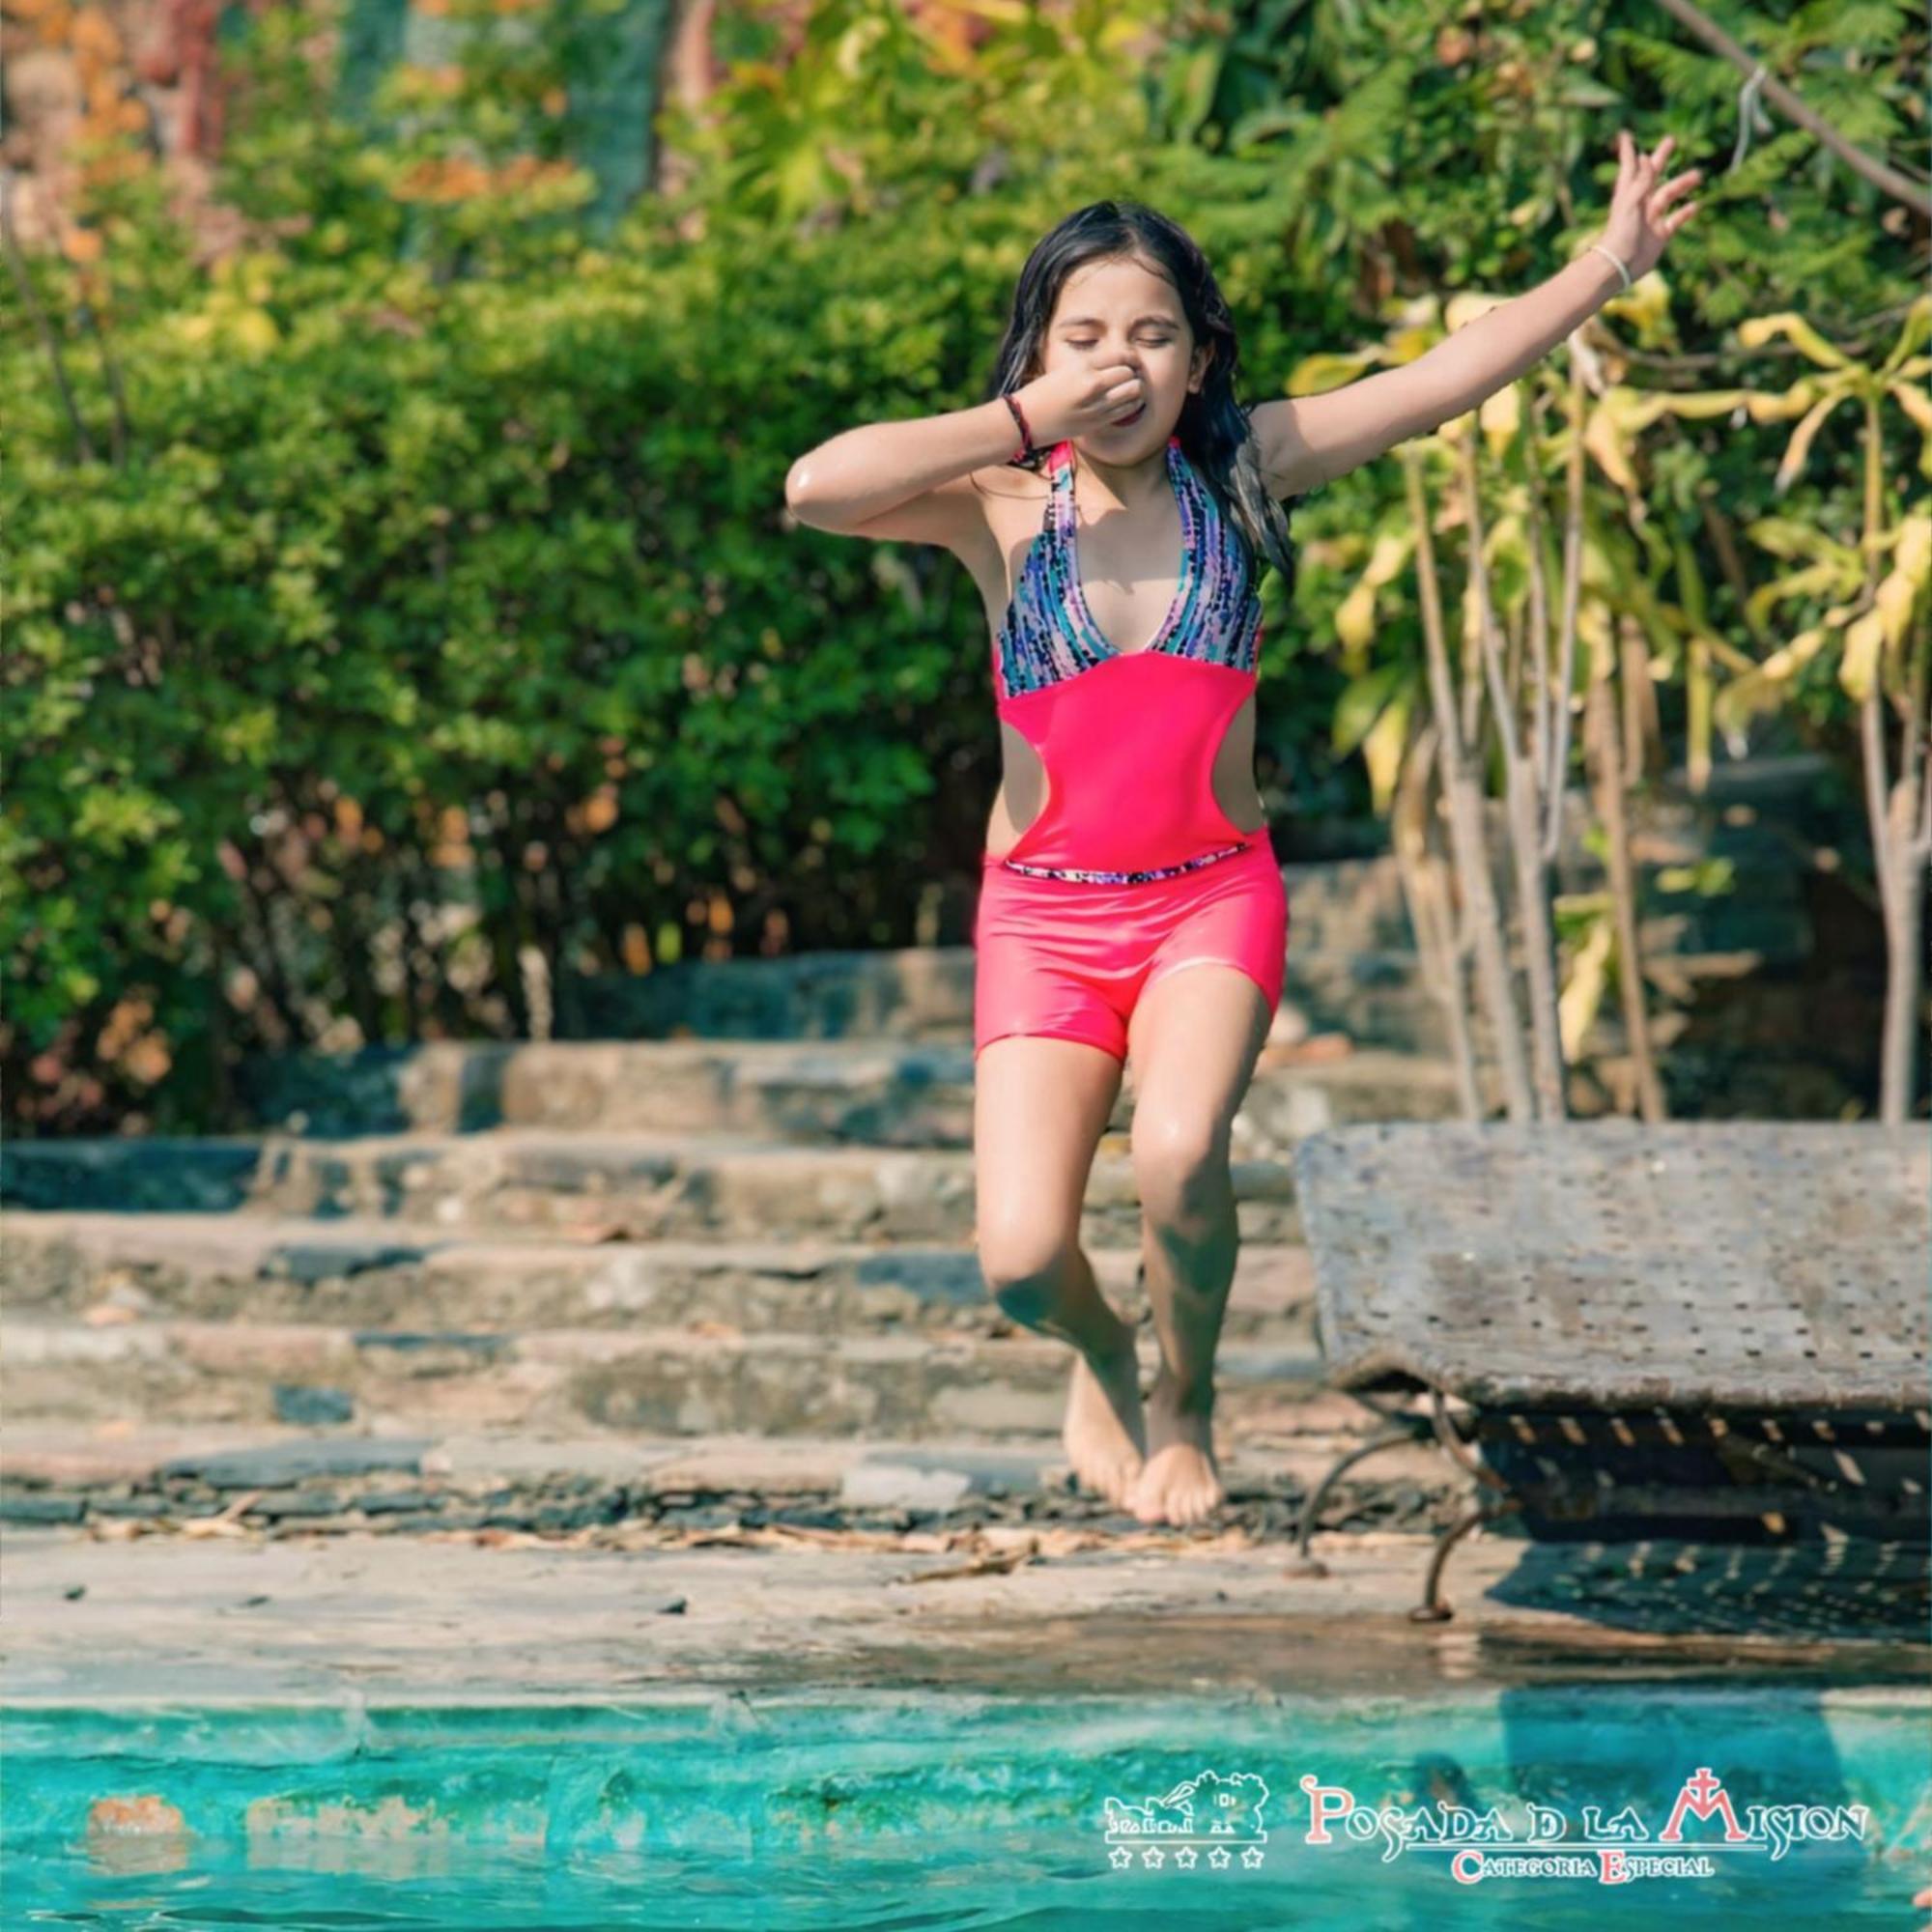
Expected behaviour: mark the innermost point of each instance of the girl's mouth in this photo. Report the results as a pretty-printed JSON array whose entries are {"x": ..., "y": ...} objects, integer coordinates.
[{"x": 1124, "y": 422}]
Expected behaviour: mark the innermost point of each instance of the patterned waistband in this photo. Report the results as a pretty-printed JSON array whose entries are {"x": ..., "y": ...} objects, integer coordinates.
[{"x": 1124, "y": 878}]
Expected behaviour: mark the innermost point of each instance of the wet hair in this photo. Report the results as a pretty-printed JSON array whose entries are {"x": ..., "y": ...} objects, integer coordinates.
[{"x": 1214, "y": 429}]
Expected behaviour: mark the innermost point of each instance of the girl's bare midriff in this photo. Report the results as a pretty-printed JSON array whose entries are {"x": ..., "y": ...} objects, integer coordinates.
[{"x": 1134, "y": 613}]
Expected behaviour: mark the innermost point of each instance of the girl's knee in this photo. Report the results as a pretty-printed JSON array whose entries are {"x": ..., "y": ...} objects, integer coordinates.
[
  {"x": 1026, "y": 1270},
  {"x": 1180, "y": 1164}
]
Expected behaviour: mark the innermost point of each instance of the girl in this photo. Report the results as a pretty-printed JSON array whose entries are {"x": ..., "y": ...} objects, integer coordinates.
[{"x": 1132, "y": 904}]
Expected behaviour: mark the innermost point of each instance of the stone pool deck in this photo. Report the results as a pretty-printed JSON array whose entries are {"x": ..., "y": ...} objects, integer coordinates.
[
  {"x": 600, "y": 1367},
  {"x": 750, "y": 1567}
]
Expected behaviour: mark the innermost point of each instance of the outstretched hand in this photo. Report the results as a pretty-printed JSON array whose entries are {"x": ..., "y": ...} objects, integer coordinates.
[{"x": 1641, "y": 218}]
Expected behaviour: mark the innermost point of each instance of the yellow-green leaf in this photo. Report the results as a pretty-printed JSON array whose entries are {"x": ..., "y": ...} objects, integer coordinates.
[
  {"x": 1799, "y": 445},
  {"x": 1501, "y": 412},
  {"x": 1758, "y": 330},
  {"x": 1314, "y": 374},
  {"x": 1858, "y": 667},
  {"x": 1355, "y": 616},
  {"x": 1582, "y": 994},
  {"x": 1382, "y": 749}
]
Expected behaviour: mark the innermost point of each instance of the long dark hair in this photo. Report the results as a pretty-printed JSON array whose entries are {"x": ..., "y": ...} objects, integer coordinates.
[{"x": 1215, "y": 430}]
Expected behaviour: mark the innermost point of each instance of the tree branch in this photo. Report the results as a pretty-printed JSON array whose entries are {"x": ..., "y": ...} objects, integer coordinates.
[{"x": 1881, "y": 173}]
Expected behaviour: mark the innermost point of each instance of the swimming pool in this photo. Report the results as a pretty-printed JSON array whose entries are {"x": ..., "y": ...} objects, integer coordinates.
[{"x": 920, "y": 1807}]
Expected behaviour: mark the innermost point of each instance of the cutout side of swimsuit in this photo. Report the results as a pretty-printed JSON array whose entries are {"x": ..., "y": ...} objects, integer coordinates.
[{"x": 1016, "y": 747}]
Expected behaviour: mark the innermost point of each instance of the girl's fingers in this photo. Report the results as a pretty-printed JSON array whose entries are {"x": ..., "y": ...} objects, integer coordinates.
[{"x": 1666, "y": 195}]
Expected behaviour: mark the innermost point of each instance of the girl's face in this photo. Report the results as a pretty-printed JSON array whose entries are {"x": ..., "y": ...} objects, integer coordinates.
[{"x": 1123, "y": 312}]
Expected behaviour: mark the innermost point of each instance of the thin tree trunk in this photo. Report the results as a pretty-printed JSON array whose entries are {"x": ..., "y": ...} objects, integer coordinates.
[
  {"x": 1467, "y": 840},
  {"x": 1442, "y": 950},
  {"x": 1901, "y": 822},
  {"x": 357, "y": 919},
  {"x": 1724, "y": 544},
  {"x": 273, "y": 977},
  {"x": 509, "y": 929},
  {"x": 573, "y": 917},
  {"x": 1898, "y": 1071},
  {"x": 1900, "y": 815},
  {"x": 220, "y": 1074},
  {"x": 1556, "y": 774},
  {"x": 30, "y": 300},
  {"x": 1643, "y": 729},
  {"x": 1602, "y": 744},
  {"x": 1545, "y": 701},
  {"x": 110, "y": 375},
  {"x": 1521, "y": 818},
  {"x": 1881, "y": 173},
  {"x": 1699, "y": 693},
  {"x": 1539, "y": 942}
]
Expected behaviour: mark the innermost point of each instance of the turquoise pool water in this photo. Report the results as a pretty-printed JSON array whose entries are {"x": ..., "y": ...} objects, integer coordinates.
[{"x": 936, "y": 1811}]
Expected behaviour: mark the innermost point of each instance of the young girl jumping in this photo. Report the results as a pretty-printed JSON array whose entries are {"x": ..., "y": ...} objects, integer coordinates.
[{"x": 1132, "y": 903}]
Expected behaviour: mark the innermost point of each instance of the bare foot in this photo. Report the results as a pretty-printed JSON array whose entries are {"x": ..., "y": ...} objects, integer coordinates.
[
  {"x": 1104, "y": 1433},
  {"x": 1182, "y": 1482}
]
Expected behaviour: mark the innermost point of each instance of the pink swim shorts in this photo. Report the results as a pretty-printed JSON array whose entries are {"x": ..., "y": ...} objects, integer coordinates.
[{"x": 1068, "y": 958}]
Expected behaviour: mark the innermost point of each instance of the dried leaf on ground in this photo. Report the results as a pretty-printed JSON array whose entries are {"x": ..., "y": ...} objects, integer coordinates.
[
  {"x": 994, "y": 1563},
  {"x": 199, "y": 1529}
]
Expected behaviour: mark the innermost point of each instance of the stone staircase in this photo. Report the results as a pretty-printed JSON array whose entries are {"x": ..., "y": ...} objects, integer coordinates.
[{"x": 743, "y": 1242}]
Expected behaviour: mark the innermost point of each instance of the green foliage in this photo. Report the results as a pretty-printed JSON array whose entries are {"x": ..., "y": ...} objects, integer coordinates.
[{"x": 443, "y": 610}]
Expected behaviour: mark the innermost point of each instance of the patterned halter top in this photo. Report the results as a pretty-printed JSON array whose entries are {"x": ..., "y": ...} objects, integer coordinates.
[{"x": 1129, "y": 738}]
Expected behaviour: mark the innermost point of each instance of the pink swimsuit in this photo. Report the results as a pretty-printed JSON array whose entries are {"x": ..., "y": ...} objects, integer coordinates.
[{"x": 1130, "y": 869}]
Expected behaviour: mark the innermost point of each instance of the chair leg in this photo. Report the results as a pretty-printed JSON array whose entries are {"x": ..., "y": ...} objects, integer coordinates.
[
  {"x": 1302, "y": 1564},
  {"x": 1433, "y": 1609}
]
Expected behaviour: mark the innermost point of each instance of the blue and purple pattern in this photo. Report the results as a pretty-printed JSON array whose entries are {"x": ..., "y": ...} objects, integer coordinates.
[
  {"x": 1092, "y": 877},
  {"x": 1048, "y": 633}
]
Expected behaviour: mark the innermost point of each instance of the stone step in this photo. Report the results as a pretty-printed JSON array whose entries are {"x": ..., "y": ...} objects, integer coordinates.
[
  {"x": 925, "y": 992},
  {"x": 878, "y": 1091},
  {"x": 1373, "y": 996},
  {"x": 920, "y": 994},
  {"x": 359, "y": 1271},
  {"x": 655, "y": 1380},
  {"x": 292, "y": 1481},
  {"x": 1713, "y": 879},
  {"x": 632, "y": 1186}
]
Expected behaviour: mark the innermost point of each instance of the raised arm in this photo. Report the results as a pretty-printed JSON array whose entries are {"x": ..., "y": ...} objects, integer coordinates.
[{"x": 1311, "y": 439}]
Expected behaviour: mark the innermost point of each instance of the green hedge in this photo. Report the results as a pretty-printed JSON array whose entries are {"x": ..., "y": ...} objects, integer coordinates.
[{"x": 442, "y": 613}]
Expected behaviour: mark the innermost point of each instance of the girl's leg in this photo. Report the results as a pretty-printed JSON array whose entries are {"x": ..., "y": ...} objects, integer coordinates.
[
  {"x": 1194, "y": 1038},
  {"x": 1039, "y": 1107}
]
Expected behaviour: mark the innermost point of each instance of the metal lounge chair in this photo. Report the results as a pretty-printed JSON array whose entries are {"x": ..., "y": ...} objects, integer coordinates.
[{"x": 1709, "y": 1330}]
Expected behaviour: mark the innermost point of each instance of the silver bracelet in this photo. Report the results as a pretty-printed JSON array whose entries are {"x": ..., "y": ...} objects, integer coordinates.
[{"x": 1621, "y": 269}]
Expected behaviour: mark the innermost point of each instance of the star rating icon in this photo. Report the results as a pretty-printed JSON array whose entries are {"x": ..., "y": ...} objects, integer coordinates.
[{"x": 1186, "y": 1858}]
